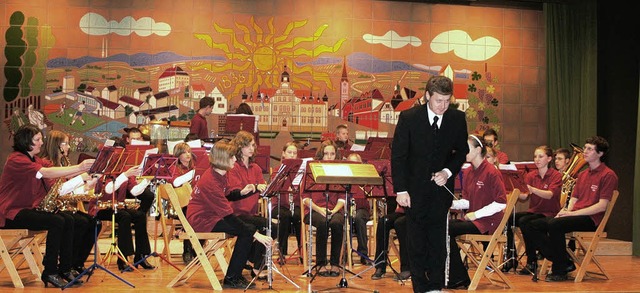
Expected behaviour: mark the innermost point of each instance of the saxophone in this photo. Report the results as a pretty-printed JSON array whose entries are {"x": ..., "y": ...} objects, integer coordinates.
[{"x": 50, "y": 202}]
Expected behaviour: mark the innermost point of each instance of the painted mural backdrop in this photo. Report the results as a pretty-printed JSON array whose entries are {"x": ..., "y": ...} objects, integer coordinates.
[{"x": 100, "y": 69}]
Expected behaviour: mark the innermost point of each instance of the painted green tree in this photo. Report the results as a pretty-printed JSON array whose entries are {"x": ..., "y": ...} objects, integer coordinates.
[
  {"x": 13, "y": 51},
  {"x": 47, "y": 40},
  {"x": 29, "y": 58}
]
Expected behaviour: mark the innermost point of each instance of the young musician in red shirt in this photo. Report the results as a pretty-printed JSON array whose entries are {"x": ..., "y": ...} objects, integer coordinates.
[
  {"x": 484, "y": 198},
  {"x": 210, "y": 211},
  {"x": 544, "y": 186}
]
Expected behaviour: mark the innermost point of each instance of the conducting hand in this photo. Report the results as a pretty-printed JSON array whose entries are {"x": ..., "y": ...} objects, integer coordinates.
[{"x": 440, "y": 178}]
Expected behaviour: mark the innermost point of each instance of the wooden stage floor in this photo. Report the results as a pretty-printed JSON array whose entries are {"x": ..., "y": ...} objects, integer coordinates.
[{"x": 621, "y": 268}]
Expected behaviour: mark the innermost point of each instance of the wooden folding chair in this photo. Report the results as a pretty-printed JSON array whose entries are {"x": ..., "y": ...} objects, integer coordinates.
[
  {"x": 214, "y": 246},
  {"x": 586, "y": 245},
  {"x": 472, "y": 245},
  {"x": 16, "y": 243}
]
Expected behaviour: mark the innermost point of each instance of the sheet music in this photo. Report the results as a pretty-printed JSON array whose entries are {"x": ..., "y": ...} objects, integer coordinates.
[
  {"x": 195, "y": 143},
  {"x": 140, "y": 142},
  {"x": 511, "y": 167},
  {"x": 337, "y": 170},
  {"x": 146, "y": 154},
  {"x": 171, "y": 144},
  {"x": 357, "y": 147},
  {"x": 300, "y": 173},
  {"x": 109, "y": 142}
]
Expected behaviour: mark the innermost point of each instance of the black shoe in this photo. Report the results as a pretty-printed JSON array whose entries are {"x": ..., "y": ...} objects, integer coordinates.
[
  {"x": 69, "y": 276},
  {"x": 123, "y": 266},
  {"x": 363, "y": 260},
  {"x": 378, "y": 274},
  {"x": 187, "y": 257},
  {"x": 53, "y": 279},
  {"x": 509, "y": 265},
  {"x": 236, "y": 283},
  {"x": 555, "y": 277},
  {"x": 571, "y": 267},
  {"x": 402, "y": 276},
  {"x": 146, "y": 265},
  {"x": 261, "y": 277},
  {"x": 459, "y": 284},
  {"x": 82, "y": 269},
  {"x": 529, "y": 269}
]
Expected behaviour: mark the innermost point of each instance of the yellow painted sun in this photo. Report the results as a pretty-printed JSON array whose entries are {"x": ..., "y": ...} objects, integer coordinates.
[{"x": 256, "y": 58}]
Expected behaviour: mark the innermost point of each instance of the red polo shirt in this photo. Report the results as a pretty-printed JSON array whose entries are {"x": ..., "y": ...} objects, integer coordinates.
[
  {"x": 552, "y": 181},
  {"x": 481, "y": 187},
  {"x": 593, "y": 185},
  {"x": 19, "y": 187},
  {"x": 239, "y": 177},
  {"x": 199, "y": 126},
  {"x": 208, "y": 203}
]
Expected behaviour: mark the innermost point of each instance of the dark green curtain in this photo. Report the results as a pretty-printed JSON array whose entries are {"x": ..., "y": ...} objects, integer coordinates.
[{"x": 571, "y": 72}]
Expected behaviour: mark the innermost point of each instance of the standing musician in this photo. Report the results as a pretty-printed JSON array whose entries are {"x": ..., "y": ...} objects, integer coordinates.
[
  {"x": 210, "y": 211},
  {"x": 589, "y": 199},
  {"x": 125, "y": 184},
  {"x": 544, "y": 186},
  {"x": 23, "y": 189},
  {"x": 324, "y": 212},
  {"x": 55, "y": 153},
  {"x": 287, "y": 210},
  {"x": 429, "y": 147},
  {"x": 484, "y": 198},
  {"x": 246, "y": 176}
]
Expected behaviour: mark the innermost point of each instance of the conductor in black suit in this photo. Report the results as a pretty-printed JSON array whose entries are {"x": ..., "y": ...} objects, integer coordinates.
[{"x": 429, "y": 148}]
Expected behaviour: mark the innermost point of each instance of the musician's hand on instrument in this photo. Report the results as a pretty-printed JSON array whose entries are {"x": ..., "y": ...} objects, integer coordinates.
[
  {"x": 264, "y": 239},
  {"x": 250, "y": 188},
  {"x": 86, "y": 164},
  {"x": 403, "y": 199},
  {"x": 261, "y": 187},
  {"x": 440, "y": 178},
  {"x": 470, "y": 216}
]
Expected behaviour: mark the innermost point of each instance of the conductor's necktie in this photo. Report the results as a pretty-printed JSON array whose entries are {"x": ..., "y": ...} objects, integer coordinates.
[{"x": 434, "y": 126}]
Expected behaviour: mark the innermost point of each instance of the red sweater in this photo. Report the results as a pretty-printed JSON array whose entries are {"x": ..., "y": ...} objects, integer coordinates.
[
  {"x": 481, "y": 187},
  {"x": 19, "y": 187},
  {"x": 552, "y": 181},
  {"x": 208, "y": 203},
  {"x": 239, "y": 177}
]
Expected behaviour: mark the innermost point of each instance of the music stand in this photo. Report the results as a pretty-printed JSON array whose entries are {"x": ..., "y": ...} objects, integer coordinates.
[
  {"x": 279, "y": 182},
  {"x": 345, "y": 174},
  {"x": 160, "y": 168},
  {"x": 380, "y": 145}
]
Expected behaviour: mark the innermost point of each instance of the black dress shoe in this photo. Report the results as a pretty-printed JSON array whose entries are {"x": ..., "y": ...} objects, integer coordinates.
[
  {"x": 378, "y": 274},
  {"x": 53, "y": 279},
  {"x": 123, "y": 266},
  {"x": 146, "y": 265},
  {"x": 236, "y": 283},
  {"x": 571, "y": 267},
  {"x": 69, "y": 276},
  {"x": 556, "y": 277},
  {"x": 459, "y": 284}
]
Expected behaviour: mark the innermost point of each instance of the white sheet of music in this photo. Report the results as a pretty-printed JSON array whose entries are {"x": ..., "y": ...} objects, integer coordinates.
[{"x": 303, "y": 168}]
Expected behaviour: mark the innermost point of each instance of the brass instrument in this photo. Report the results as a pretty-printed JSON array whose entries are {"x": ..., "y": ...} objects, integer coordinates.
[
  {"x": 129, "y": 203},
  {"x": 571, "y": 173},
  {"x": 50, "y": 202}
]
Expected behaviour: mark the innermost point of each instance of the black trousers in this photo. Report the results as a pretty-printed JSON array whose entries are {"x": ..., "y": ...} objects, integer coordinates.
[
  {"x": 146, "y": 199},
  {"x": 257, "y": 249},
  {"x": 457, "y": 271},
  {"x": 83, "y": 238},
  {"x": 360, "y": 226},
  {"x": 399, "y": 223},
  {"x": 244, "y": 232},
  {"x": 124, "y": 218},
  {"x": 336, "y": 224},
  {"x": 59, "y": 244},
  {"x": 522, "y": 221},
  {"x": 549, "y": 237},
  {"x": 288, "y": 223}
]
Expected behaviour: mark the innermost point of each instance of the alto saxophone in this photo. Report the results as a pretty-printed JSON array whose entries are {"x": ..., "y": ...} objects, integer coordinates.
[{"x": 50, "y": 202}]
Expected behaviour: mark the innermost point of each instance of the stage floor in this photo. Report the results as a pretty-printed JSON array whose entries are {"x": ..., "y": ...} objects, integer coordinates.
[{"x": 623, "y": 270}]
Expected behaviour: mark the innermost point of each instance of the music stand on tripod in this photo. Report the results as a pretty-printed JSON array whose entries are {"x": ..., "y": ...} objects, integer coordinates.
[
  {"x": 281, "y": 179},
  {"x": 345, "y": 173},
  {"x": 384, "y": 192},
  {"x": 159, "y": 168},
  {"x": 101, "y": 165}
]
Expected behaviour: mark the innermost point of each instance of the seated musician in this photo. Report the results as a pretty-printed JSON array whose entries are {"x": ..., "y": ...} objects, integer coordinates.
[
  {"x": 23, "y": 190},
  {"x": 326, "y": 213},
  {"x": 210, "y": 211},
  {"x": 490, "y": 136},
  {"x": 246, "y": 176},
  {"x": 544, "y": 201},
  {"x": 362, "y": 216},
  {"x": 397, "y": 221},
  {"x": 184, "y": 164},
  {"x": 342, "y": 138},
  {"x": 55, "y": 152},
  {"x": 287, "y": 210},
  {"x": 484, "y": 198},
  {"x": 147, "y": 196},
  {"x": 125, "y": 184},
  {"x": 561, "y": 156},
  {"x": 491, "y": 156},
  {"x": 592, "y": 192}
]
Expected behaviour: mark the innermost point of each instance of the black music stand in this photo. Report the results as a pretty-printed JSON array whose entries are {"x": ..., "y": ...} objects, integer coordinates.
[
  {"x": 160, "y": 167},
  {"x": 380, "y": 145},
  {"x": 384, "y": 192},
  {"x": 282, "y": 180},
  {"x": 344, "y": 173}
]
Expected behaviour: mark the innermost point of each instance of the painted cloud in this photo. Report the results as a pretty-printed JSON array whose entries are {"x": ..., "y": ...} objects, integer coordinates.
[
  {"x": 392, "y": 40},
  {"x": 95, "y": 24},
  {"x": 464, "y": 47}
]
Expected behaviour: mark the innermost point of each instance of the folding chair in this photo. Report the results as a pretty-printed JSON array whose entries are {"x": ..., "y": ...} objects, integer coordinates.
[
  {"x": 214, "y": 246},
  {"x": 586, "y": 245},
  {"x": 472, "y": 245},
  {"x": 20, "y": 242}
]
